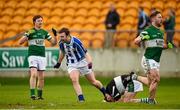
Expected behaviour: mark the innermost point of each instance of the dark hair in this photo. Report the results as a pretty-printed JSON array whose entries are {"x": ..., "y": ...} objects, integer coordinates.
[
  {"x": 65, "y": 30},
  {"x": 141, "y": 8},
  {"x": 153, "y": 14},
  {"x": 36, "y": 17}
]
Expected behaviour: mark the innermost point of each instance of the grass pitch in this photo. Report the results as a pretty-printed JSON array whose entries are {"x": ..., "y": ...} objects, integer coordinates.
[{"x": 59, "y": 94}]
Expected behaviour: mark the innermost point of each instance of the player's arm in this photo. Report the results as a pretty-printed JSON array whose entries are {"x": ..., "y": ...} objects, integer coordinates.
[
  {"x": 60, "y": 59},
  {"x": 61, "y": 56},
  {"x": 22, "y": 40},
  {"x": 127, "y": 97},
  {"x": 137, "y": 40},
  {"x": 89, "y": 60},
  {"x": 53, "y": 41},
  {"x": 143, "y": 36},
  {"x": 25, "y": 37},
  {"x": 88, "y": 57}
]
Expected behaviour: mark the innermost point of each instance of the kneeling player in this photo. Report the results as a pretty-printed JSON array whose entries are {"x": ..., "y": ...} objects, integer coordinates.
[{"x": 123, "y": 88}]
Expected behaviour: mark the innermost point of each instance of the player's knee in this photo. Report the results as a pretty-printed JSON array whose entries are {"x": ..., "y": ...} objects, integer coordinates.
[
  {"x": 74, "y": 80},
  {"x": 33, "y": 75},
  {"x": 41, "y": 79},
  {"x": 154, "y": 83},
  {"x": 158, "y": 78}
]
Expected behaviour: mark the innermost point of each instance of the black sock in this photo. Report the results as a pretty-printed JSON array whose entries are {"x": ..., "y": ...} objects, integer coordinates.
[{"x": 103, "y": 90}]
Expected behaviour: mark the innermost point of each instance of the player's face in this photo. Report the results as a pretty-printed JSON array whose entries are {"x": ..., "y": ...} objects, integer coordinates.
[
  {"x": 38, "y": 23},
  {"x": 63, "y": 37},
  {"x": 158, "y": 20},
  {"x": 109, "y": 98}
]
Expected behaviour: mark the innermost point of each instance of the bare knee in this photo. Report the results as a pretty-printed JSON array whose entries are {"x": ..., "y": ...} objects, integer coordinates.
[
  {"x": 33, "y": 72},
  {"x": 74, "y": 80},
  {"x": 154, "y": 76}
]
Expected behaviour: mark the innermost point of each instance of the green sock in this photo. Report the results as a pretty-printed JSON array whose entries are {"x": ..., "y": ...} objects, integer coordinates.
[
  {"x": 32, "y": 91},
  {"x": 39, "y": 93}
]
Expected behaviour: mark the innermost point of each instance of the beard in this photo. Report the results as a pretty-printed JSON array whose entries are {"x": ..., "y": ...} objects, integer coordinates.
[{"x": 158, "y": 24}]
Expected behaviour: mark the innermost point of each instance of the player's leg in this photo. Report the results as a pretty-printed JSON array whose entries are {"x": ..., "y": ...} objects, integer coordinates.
[
  {"x": 32, "y": 81},
  {"x": 151, "y": 68},
  {"x": 144, "y": 80},
  {"x": 74, "y": 76},
  {"x": 154, "y": 80},
  {"x": 40, "y": 84},
  {"x": 91, "y": 78},
  {"x": 128, "y": 96},
  {"x": 41, "y": 69},
  {"x": 33, "y": 75}
]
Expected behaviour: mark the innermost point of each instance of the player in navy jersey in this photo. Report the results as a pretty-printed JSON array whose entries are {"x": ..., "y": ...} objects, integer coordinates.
[{"x": 79, "y": 62}]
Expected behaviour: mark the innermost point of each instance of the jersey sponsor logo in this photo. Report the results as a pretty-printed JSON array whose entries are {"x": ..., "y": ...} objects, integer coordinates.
[
  {"x": 34, "y": 36},
  {"x": 38, "y": 42},
  {"x": 154, "y": 35}
]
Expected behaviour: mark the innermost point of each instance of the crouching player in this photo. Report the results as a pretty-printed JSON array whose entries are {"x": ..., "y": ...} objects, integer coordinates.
[{"x": 123, "y": 88}]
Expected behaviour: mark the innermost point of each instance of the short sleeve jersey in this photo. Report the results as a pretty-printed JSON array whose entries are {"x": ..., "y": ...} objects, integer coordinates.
[
  {"x": 74, "y": 51},
  {"x": 36, "y": 41},
  {"x": 154, "y": 45}
]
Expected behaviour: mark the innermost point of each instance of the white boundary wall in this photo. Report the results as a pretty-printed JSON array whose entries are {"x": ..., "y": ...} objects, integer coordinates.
[{"x": 117, "y": 61}]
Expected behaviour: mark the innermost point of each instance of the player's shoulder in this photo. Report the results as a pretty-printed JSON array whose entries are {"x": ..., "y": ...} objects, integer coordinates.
[
  {"x": 44, "y": 31},
  {"x": 162, "y": 31},
  {"x": 76, "y": 40},
  {"x": 60, "y": 43},
  {"x": 30, "y": 31},
  {"x": 146, "y": 30}
]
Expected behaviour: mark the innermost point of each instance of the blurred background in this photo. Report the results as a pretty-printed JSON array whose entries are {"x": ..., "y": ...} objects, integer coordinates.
[{"x": 112, "y": 48}]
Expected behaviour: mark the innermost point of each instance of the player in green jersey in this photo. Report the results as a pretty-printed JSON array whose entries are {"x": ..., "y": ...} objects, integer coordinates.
[
  {"x": 36, "y": 54},
  {"x": 154, "y": 44}
]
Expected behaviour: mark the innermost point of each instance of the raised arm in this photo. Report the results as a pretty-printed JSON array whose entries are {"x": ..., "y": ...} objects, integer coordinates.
[{"x": 53, "y": 40}]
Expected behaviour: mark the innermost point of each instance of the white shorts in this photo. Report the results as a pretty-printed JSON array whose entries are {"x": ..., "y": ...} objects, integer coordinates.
[
  {"x": 81, "y": 66},
  {"x": 37, "y": 62},
  {"x": 138, "y": 86},
  {"x": 149, "y": 64}
]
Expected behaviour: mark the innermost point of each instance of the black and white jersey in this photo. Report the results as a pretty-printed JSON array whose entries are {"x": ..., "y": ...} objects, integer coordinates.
[{"x": 118, "y": 85}]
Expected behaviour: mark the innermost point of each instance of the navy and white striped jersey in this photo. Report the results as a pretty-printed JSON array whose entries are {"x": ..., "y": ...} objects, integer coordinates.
[{"x": 74, "y": 51}]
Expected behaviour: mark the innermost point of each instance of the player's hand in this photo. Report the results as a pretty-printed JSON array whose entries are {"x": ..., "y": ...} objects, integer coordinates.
[
  {"x": 54, "y": 32},
  {"x": 57, "y": 65},
  {"x": 145, "y": 37},
  {"x": 170, "y": 45},
  {"x": 90, "y": 65}
]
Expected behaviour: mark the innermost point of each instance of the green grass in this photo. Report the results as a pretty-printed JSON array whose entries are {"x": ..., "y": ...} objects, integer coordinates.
[{"x": 59, "y": 93}]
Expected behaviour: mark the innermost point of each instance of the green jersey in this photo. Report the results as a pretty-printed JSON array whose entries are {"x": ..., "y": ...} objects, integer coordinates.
[
  {"x": 36, "y": 41},
  {"x": 154, "y": 45}
]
